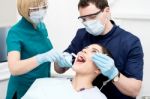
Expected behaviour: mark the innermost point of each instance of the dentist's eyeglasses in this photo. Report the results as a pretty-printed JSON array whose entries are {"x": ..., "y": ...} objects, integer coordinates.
[{"x": 89, "y": 17}]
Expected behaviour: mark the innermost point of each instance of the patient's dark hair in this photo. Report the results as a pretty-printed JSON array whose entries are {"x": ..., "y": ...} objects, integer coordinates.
[
  {"x": 100, "y": 78},
  {"x": 105, "y": 51}
]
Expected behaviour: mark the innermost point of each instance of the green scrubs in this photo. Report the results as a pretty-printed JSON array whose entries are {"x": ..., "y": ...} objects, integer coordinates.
[{"x": 23, "y": 37}]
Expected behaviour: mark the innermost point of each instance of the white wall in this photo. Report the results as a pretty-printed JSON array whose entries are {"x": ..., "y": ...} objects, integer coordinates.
[
  {"x": 8, "y": 12},
  {"x": 62, "y": 22},
  {"x": 131, "y": 7}
]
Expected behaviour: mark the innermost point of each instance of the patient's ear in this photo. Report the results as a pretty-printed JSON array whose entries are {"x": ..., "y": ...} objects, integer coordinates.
[
  {"x": 107, "y": 9},
  {"x": 97, "y": 71}
]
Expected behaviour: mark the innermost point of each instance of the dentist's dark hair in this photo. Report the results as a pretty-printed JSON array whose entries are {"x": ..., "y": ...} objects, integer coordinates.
[{"x": 101, "y": 4}]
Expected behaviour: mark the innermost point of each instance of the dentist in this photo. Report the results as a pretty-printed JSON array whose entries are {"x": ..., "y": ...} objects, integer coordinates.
[{"x": 126, "y": 72}]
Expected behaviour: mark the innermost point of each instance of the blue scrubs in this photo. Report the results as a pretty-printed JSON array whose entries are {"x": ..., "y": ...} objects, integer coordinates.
[
  {"x": 126, "y": 50},
  {"x": 23, "y": 37}
]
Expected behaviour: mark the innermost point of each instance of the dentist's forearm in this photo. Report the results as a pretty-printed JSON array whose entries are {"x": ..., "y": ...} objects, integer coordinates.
[
  {"x": 128, "y": 86},
  {"x": 58, "y": 69}
]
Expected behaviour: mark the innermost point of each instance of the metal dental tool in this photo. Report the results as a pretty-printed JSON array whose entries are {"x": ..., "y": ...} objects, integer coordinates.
[{"x": 74, "y": 55}]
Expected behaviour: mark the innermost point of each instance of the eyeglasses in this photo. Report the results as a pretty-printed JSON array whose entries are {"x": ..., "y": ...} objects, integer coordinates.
[
  {"x": 88, "y": 17},
  {"x": 32, "y": 9}
]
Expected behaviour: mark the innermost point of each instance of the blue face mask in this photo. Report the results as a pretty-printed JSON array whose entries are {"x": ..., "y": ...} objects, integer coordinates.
[
  {"x": 37, "y": 16},
  {"x": 94, "y": 27}
]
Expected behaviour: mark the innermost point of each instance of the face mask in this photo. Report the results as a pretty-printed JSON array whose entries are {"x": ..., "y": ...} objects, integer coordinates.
[
  {"x": 94, "y": 27},
  {"x": 37, "y": 16}
]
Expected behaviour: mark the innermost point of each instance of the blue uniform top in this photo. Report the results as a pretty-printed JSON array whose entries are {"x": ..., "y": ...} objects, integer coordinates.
[
  {"x": 23, "y": 37},
  {"x": 126, "y": 50}
]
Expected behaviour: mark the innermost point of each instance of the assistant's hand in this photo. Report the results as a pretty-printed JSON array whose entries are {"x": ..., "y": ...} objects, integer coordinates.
[
  {"x": 105, "y": 64},
  {"x": 65, "y": 60},
  {"x": 50, "y": 56}
]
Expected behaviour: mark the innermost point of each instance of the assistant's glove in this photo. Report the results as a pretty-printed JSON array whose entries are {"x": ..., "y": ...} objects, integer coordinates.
[
  {"x": 105, "y": 64},
  {"x": 50, "y": 56},
  {"x": 65, "y": 60}
]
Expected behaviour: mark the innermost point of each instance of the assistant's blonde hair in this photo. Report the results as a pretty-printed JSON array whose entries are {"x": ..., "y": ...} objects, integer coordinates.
[{"x": 24, "y": 5}]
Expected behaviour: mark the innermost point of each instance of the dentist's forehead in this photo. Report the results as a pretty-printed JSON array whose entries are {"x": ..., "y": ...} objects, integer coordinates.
[{"x": 88, "y": 10}]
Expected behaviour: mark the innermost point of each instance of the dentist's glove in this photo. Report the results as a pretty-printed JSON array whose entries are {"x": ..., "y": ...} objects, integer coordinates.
[
  {"x": 106, "y": 65},
  {"x": 50, "y": 56},
  {"x": 65, "y": 60}
]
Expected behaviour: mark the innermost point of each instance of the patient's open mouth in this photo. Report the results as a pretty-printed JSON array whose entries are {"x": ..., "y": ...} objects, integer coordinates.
[{"x": 81, "y": 59}]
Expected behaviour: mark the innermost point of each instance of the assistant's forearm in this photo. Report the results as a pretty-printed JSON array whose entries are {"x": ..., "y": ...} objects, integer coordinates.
[{"x": 23, "y": 66}]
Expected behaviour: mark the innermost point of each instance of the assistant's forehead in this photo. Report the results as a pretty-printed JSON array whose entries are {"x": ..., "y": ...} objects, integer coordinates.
[{"x": 36, "y": 3}]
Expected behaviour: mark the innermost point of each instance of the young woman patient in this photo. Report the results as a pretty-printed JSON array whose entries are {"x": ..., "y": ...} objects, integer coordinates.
[{"x": 80, "y": 87}]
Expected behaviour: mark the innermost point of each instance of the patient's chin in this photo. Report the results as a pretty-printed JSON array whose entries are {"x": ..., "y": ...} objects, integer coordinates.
[
  {"x": 74, "y": 67},
  {"x": 78, "y": 63},
  {"x": 77, "y": 66}
]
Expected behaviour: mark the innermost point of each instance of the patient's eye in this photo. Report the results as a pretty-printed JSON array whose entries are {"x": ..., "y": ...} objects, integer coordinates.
[{"x": 95, "y": 51}]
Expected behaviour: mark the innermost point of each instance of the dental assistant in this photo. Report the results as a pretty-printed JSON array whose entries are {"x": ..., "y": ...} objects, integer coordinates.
[
  {"x": 29, "y": 49},
  {"x": 126, "y": 71}
]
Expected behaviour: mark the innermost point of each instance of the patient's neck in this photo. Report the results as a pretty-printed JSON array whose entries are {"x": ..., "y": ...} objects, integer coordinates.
[{"x": 81, "y": 82}]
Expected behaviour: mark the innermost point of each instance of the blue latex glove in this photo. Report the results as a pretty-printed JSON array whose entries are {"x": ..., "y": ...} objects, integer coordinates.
[
  {"x": 65, "y": 60},
  {"x": 50, "y": 56},
  {"x": 106, "y": 65}
]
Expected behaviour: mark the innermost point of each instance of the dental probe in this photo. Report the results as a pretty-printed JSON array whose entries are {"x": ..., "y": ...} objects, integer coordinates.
[{"x": 74, "y": 55}]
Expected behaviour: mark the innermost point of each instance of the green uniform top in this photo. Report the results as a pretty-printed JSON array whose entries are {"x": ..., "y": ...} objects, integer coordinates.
[{"x": 23, "y": 37}]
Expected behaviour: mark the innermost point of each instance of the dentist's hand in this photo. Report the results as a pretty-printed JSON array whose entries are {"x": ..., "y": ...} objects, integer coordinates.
[
  {"x": 50, "y": 56},
  {"x": 65, "y": 60},
  {"x": 105, "y": 64}
]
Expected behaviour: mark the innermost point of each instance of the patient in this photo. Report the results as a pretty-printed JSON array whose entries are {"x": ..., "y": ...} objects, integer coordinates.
[{"x": 80, "y": 87}]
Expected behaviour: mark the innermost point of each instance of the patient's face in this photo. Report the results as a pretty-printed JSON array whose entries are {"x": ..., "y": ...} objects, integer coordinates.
[{"x": 83, "y": 63}]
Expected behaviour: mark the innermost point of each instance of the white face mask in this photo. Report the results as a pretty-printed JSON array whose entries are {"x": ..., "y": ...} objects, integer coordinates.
[
  {"x": 94, "y": 27},
  {"x": 37, "y": 16}
]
